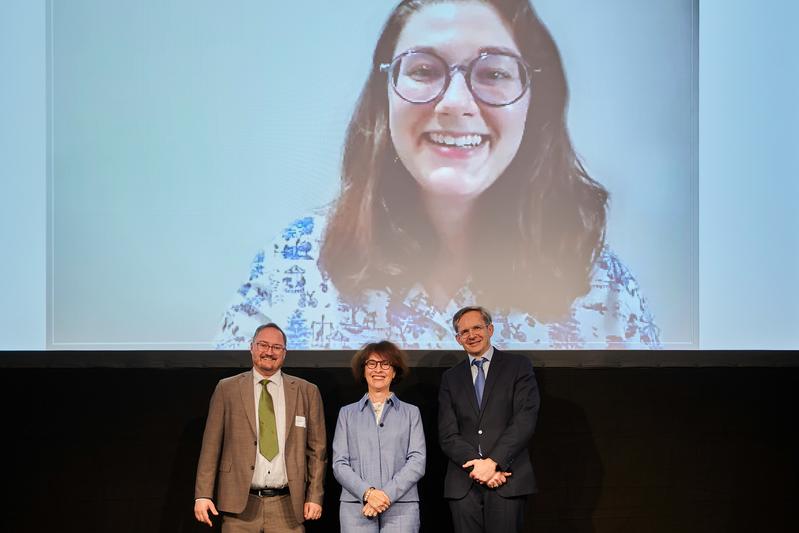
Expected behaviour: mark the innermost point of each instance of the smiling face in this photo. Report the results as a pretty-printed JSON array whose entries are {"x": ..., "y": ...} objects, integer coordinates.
[
  {"x": 456, "y": 146},
  {"x": 473, "y": 334},
  {"x": 378, "y": 379},
  {"x": 265, "y": 358}
]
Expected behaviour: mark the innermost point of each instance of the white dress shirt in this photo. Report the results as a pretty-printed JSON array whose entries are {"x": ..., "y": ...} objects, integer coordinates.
[
  {"x": 271, "y": 474},
  {"x": 487, "y": 358}
]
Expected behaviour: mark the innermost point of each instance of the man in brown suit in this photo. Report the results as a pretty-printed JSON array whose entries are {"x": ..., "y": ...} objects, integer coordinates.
[{"x": 264, "y": 446}]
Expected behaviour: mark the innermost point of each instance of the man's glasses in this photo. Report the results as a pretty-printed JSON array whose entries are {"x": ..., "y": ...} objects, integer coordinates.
[
  {"x": 266, "y": 347},
  {"x": 472, "y": 330},
  {"x": 495, "y": 79},
  {"x": 371, "y": 364}
]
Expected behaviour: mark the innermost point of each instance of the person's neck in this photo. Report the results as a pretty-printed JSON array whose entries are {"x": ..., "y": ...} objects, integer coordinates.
[
  {"x": 450, "y": 219},
  {"x": 259, "y": 372},
  {"x": 378, "y": 396},
  {"x": 448, "y": 270},
  {"x": 480, "y": 355}
]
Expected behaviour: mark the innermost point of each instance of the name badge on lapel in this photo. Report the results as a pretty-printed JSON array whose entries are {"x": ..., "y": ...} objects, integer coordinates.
[{"x": 299, "y": 421}]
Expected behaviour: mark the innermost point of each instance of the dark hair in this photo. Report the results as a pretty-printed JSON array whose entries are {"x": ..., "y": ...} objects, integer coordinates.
[
  {"x": 388, "y": 351},
  {"x": 541, "y": 225},
  {"x": 463, "y": 310},
  {"x": 271, "y": 325}
]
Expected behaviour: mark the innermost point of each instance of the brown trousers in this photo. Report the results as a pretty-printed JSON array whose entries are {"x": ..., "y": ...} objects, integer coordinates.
[{"x": 271, "y": 514}]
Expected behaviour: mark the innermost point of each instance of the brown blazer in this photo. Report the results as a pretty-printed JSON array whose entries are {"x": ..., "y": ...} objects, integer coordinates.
[{"x": 227, "y": 458}]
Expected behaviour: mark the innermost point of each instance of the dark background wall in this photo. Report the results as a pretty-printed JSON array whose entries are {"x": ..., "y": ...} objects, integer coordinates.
[{"x": 616, "y": 450}]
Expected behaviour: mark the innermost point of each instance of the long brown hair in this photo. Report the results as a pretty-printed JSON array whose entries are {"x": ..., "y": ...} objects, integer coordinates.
[{"x": 538, "y": 229}]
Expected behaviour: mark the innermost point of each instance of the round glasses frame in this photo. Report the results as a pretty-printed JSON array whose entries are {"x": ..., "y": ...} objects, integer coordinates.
[
  {"x": 450, "y": 71},
  {"x": 371, "y": 364}
]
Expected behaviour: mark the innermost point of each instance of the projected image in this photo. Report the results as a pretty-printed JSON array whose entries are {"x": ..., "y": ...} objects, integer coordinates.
[
  {"x": 459, "y": 186},
  {"x": 361, "y": 170}
]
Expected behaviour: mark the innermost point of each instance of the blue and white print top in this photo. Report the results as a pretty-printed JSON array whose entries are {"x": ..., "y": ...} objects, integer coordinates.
[{"x": 286, "y": 286}]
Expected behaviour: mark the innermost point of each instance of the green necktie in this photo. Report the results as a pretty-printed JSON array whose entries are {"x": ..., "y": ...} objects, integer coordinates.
[{"x": 267, "y": 427}]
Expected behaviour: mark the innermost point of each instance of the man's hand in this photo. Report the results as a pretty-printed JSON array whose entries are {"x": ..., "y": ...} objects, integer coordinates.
[
  {"x": 369, "y": 511},
  {"x": 378, "y": 500},
  {"x": 498, "y": 479},
  {"x": 201, "y": 508},
  {"x": 482, "y": 469},
  {"x": 312, "y": 511}
]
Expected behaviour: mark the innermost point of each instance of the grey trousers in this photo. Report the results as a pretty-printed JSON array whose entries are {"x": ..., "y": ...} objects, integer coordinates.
[{"x": 400, "y": 517}]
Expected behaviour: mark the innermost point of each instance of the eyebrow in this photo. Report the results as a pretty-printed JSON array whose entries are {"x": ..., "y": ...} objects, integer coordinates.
[
  {"x": 484, "y": 50},
  {"x": 499, "y": 50}
]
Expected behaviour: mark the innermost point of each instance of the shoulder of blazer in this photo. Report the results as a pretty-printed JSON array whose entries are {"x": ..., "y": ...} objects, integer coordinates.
[
  {"x": 299, "y": 381},
  {"x": 232, "y": 380},
  {"x": 400, "y": 405},
  {"x": 349, "y": 409},
  {"x": 457, "y": 367},
  {"x": 304, "y": 387},
  {"x": 514, "y": 360}
]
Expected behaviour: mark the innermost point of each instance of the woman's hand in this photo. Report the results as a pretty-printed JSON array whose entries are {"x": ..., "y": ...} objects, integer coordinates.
[
  {"x": 378, "y": 500},
  {"x": 369, "y": 511}
]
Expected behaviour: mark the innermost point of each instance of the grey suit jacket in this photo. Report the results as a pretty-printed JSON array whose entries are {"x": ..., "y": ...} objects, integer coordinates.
[
  {"x": 502, "y": 426},
  {"x": 390, "y": 456},
  {"x": 227, "y": 458}
]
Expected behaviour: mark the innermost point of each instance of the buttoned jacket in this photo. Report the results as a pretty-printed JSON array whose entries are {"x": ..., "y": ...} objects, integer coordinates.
[
  {"x": 501, "y": 426},
  {"x": 389, "y": 456}
]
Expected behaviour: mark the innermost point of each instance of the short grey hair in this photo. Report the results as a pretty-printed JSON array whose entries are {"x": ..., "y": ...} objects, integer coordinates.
[{"x": 462, "y": 311}]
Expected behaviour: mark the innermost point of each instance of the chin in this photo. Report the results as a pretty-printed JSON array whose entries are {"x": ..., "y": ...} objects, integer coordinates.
[
  {"x": 450, "y": 187},
  {"x": 453, "y": 182}
]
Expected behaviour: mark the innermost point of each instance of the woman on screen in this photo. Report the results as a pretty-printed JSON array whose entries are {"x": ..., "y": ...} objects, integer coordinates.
[
  {"x": 379, "y": 448},
  {"x": 459, "y": 185}
]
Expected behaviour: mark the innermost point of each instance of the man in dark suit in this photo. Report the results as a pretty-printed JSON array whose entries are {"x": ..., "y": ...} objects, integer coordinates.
[
  {"x": 264, "y": 448},
  {"x": 487, "y": 411}
]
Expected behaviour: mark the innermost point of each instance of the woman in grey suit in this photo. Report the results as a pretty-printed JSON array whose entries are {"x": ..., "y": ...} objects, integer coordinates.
[{"x": 379, "y": 448}]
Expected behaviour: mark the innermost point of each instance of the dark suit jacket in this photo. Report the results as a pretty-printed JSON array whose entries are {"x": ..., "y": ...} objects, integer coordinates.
[
  {"x": 227, "y": 458},
  {"x": 503, "y": 425}
]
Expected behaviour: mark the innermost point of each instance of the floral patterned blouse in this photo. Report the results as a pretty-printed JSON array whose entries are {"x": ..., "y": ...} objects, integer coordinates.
[{"x": 286, "y": 286}]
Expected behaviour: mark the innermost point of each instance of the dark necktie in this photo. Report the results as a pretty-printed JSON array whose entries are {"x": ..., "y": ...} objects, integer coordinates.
[
  {"x": 479, "y": 381},
  {"x": 267, "y": 427}
]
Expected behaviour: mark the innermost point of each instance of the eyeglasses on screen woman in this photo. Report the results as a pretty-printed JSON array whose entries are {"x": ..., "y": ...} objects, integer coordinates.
[{"x": 494, "y": 78}]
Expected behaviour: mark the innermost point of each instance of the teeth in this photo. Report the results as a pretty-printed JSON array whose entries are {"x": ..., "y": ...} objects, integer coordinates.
[{"x": 460, "y": 141}]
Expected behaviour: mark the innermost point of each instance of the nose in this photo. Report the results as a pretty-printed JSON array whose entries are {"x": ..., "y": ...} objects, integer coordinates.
[{"x": 457, "y": 98}]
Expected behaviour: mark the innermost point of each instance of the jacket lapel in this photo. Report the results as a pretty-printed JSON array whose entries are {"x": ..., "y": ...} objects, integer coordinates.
[
  {"x": 248, "y": 398},
  {"x": 290, "y": 391},
  {"x": 465, "y": 377}
]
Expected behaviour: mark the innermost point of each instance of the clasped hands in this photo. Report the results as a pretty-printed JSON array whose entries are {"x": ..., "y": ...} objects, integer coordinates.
[
  {"x": 376, "y": 502},
  {"x": 484, "y": 471}
]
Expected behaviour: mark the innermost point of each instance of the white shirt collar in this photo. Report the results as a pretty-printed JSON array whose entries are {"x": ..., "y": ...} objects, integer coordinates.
[
  {"x": 486, "y": 356},
  {"x": 364, "y": 401},
  {"x": 276, "y": 378}
]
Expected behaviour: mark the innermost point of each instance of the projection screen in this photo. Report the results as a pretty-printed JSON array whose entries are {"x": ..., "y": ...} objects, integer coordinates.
[{"x": 211, "y": 168}]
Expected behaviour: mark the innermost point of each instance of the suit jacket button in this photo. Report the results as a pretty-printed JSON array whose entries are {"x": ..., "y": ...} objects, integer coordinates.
[
  {"x": 252, "y": 467},
  {"x": 479, "y": 431}
]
